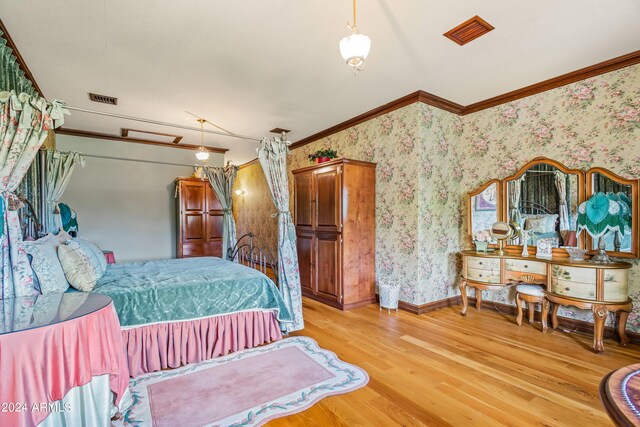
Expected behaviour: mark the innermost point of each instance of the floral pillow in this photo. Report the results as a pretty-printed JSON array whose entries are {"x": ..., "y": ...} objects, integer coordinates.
[
  {"x": 541, "y": 223},
  {"x": 81, "y": 272},
  {"x": 45, "y": 264},
  {"x": 97, "y": 256}
]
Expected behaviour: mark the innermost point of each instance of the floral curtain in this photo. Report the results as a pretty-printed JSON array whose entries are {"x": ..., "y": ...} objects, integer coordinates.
[
  {"x": 59, "y": 167},
  {"x": 221, "y": 180},
  {"x": 561, "y": 185},
  {"x": 24, "y": 123},
  {"x": 272, "y": 154}
]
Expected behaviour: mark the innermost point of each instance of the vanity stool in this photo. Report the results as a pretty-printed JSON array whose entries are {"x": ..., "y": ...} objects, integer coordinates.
[{"x": 531, "y": 294}]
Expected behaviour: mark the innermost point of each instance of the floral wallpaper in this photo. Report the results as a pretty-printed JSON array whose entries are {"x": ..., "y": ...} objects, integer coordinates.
[
  {"x": 417, "y": 220},
  {"x": 252, "y": 210},
  {"x": 428, "y": 159},
  {"x": 594, "y": 122}
]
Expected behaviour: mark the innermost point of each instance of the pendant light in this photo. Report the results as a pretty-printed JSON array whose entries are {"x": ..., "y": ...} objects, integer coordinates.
[
  {"x": 354, "y": 48},
  {"x": 202, "y": 154}
]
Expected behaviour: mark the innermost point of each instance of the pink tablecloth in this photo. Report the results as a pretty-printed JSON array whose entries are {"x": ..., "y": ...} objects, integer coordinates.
[{"x": 41, "y": 365}]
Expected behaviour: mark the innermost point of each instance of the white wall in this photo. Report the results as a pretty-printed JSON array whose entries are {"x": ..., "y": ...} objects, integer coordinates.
[{"x": 128, "y": 206}]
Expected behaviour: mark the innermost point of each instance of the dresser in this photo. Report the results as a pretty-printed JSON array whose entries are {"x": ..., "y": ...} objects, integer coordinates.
[
  {"x": 601, "y": 288},
  {"x": 334, "y": 204},
  {"x": 199, "y": 219}
]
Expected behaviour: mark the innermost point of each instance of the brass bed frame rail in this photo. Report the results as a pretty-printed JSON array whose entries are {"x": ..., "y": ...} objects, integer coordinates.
[{"x": 250, "y": 250}]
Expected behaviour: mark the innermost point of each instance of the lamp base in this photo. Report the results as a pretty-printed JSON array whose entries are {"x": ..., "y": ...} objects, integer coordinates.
[{"x": 601, "y": 257}]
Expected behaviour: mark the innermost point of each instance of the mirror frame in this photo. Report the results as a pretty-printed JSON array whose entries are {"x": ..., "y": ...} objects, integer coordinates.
[
  {"x": 635, "y": 248},
  {"x": 499, "y": 207},
  {"x": 581, "y": 196}
]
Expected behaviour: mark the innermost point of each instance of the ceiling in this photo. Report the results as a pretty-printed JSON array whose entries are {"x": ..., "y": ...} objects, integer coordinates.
[{"x": 250, "y": 66}]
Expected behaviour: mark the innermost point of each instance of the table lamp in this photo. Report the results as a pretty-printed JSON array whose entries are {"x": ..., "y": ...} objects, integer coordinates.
[{"x": 598, "y": 216}]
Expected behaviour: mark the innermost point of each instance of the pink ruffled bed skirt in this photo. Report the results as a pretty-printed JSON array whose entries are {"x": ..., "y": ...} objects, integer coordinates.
[{"x": 170, "y": 345}]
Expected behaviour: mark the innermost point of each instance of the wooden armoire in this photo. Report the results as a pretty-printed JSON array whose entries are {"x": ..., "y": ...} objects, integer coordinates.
[
  {"x": 334, "y": 206},
  {"x": 199, "y": 219}
]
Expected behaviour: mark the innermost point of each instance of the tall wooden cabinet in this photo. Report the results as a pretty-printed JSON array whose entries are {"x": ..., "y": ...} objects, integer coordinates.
[
  {"x": 199, "y": 219},
  {"x": 334, "y": 206}
]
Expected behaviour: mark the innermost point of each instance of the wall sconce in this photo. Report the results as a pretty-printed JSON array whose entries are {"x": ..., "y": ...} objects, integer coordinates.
[{"x": 239, "y": 192}]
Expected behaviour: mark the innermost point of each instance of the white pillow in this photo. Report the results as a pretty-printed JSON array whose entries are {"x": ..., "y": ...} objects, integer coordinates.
[
  {"x": 45, "y": 263},
  {"x": 80, "y": 272},
  {"x": 542, "y": 223}
]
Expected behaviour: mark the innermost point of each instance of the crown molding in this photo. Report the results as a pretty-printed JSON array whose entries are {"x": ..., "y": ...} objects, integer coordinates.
[
  {"x": 20, "y": 59},
  {"x": 412, "y": 98},
  {"x": 249, "y": 163},
  {"x": 623, "y": 61},
  {"x": 110, "y": 137}
]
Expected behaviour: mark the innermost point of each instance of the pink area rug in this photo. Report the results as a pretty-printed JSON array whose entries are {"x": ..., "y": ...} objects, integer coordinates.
[{"x": 247, "y": 388}]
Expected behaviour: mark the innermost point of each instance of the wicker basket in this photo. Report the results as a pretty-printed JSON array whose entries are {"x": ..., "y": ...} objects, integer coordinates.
[{"x": 389, "y": 293}]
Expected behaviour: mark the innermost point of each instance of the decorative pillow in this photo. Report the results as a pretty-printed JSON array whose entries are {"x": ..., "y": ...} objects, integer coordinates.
[
  {"x": 541, "y": 223},
  {"x": 81, "y": 273},
  {"x": 45, "y": 264},
  {"x": 97, "y": 256}
]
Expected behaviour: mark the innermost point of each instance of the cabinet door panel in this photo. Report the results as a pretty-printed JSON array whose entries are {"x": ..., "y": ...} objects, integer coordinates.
[
  {"x": 304, "y": 200},
  {"x": 328, "y": 265},
  {"x": 305, "y": 243},
  {"x": 193, "y": 228},
  {"x": 192, "y": 195},
  {"x": 327, "y": 186}
]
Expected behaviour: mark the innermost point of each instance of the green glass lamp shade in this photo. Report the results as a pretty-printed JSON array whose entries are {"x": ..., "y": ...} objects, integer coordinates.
[{"x": 601, "y": 214}]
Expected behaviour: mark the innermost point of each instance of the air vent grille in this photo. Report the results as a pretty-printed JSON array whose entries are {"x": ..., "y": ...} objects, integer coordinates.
[
  {"x": 279, "y": 130},
  {"x": 104, "y": 99},
  {"x": 469, "y": 30}
]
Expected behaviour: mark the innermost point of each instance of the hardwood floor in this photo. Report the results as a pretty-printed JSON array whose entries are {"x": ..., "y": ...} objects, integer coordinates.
[{"x": 441, "y": 368}]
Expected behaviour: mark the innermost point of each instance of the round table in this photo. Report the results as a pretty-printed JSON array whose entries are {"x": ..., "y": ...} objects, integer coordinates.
[
  {"x": 50, "y": 345},
  {"x": 620, "y": 395}
]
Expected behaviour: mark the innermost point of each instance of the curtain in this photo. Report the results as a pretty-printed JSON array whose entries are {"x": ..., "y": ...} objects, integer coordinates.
[
  {"x": 11, "y": 76},
  {"x": 514, "y": 189},
  {"x": 272, "y": 154},
  {"x": 563, "y": 209},
  {"x": 59, "y": 167},
  {"x": 221, "y": 180},
  {"x": 24, "y": 122}
]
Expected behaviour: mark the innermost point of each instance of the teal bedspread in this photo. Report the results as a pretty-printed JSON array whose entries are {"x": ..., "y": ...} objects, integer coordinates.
[{"x": 189, "y": 288}]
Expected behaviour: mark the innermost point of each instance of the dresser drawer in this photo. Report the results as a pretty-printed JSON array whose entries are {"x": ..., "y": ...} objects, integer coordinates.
[
  {"x": 484, "y": 276},
  {"x": 616, "y": 285},
  {"x": 483, "y": 263},
  {"x": 526, "y": 266},
  {"x": 574, "y": 282}
]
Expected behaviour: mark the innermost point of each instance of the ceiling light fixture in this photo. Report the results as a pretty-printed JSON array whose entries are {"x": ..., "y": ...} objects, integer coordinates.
[
  {"x": 202, "y": 154},
  {"x": 354, "y": 48}
]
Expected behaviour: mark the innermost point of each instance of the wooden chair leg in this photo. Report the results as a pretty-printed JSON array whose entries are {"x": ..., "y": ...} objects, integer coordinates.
[
  {"x": 531, "y": 309},
  {"x": 519, "y": 305}
]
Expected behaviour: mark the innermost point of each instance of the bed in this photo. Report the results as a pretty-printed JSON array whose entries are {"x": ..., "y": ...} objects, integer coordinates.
[{"x": 178, "y": 311}]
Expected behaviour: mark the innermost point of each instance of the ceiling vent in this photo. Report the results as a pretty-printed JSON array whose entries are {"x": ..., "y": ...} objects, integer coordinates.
[
  {"x": 279, "y": 130},
  {"x": 469, "y": 30},
  {"x": 104, "y": 99}
]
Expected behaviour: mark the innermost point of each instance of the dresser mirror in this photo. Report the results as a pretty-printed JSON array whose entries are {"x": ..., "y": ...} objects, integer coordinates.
[
  {"x": 543, "y": 198},
  {"x": 622, "y": 190},
  {"x": 484, "y": 207}
]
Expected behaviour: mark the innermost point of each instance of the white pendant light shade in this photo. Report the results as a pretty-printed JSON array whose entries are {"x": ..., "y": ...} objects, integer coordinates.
[
  {"x": 202, "y": 154},
  {"x": 354, "y": 49}
]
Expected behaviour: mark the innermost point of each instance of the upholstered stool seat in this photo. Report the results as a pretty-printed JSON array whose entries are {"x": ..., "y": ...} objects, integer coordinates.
[{"x": 531, "y": 294}]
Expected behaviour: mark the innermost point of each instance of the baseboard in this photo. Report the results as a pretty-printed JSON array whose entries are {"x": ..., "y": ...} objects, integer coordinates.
[{"x": 430, "y": 306}]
